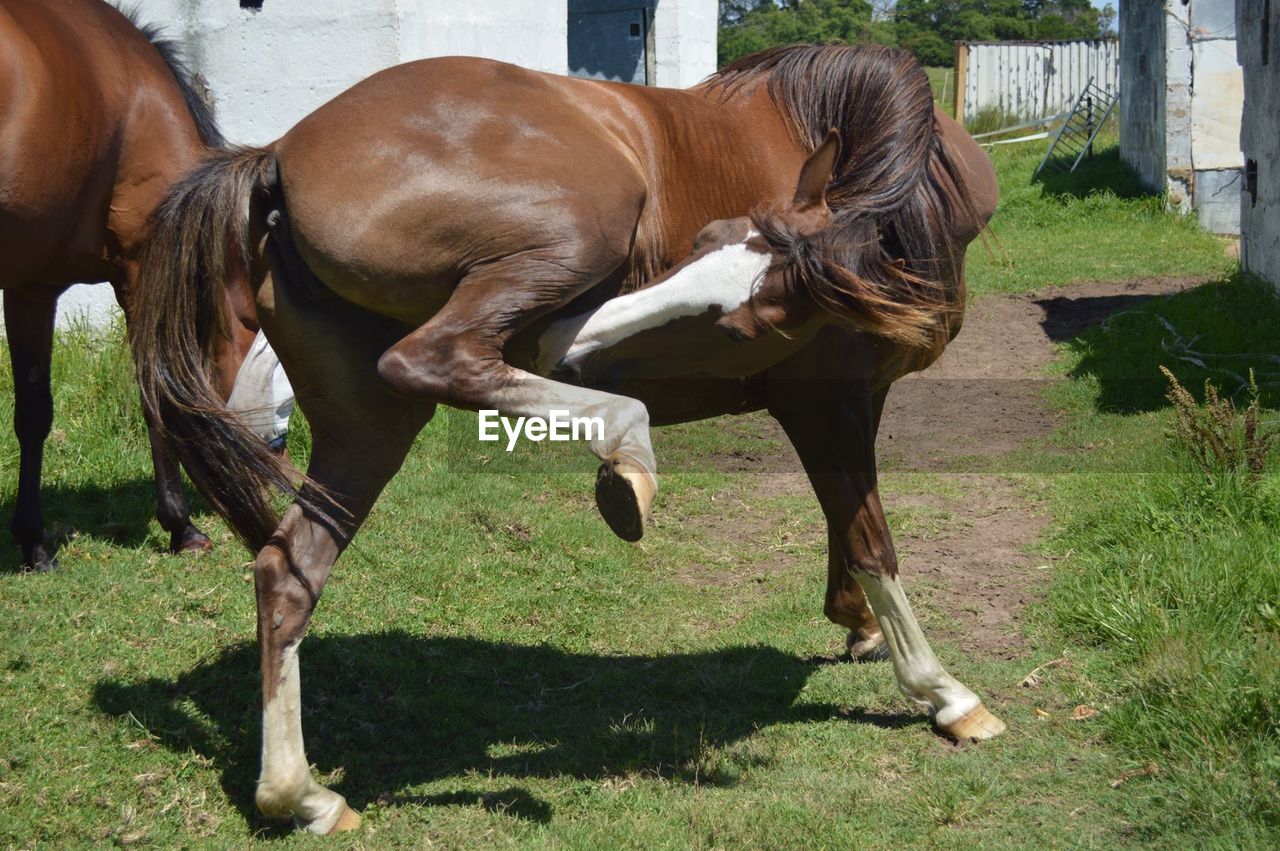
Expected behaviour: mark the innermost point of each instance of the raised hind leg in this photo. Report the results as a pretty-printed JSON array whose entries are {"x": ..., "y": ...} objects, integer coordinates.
[
  {"x": 831, "y": 424},
  {"x": 457, "y": 359},
  {"x": 28, "y": 319},
  {"x": 360, "y": 436}
]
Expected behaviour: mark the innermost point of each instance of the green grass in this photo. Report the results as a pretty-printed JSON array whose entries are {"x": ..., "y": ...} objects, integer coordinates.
[
  {"x": 1094, "y": 225},
  {"x": 1175, "y": 574},
  {"x": 490, "y": 667}
]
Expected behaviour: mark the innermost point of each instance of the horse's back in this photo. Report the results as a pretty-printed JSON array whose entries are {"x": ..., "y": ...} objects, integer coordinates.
[{"x": 452, "y": 164}]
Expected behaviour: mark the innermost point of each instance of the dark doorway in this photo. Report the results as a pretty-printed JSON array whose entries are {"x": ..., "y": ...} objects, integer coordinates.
[{"x": 611, "y": 39}]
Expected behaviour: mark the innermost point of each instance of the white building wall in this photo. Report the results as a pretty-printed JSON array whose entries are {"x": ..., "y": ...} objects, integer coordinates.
[
  {"x": 529, "y": 33},
  {"x": 269, "y": 67},
  {"x": 1259, "y": 52},
  {"x": 1181, "y": 105},
  {"x": 684, "y": 41}
]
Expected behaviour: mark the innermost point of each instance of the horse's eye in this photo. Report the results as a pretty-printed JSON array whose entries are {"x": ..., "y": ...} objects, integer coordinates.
[{"x": 736, "y": 335}]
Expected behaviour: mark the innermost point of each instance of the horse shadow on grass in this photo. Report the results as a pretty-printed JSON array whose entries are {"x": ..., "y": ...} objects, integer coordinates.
[
  {"x": 394, "y": 710},
  {"x": 121, "y": 513}
]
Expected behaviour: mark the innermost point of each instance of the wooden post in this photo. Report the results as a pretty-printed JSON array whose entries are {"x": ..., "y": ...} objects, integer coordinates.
[{"x": 962, "y": 74}]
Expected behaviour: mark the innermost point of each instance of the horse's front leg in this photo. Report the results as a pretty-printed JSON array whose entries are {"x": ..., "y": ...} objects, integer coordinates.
[
  {"x": 457, "y": 359},
  {"x": 28, "y": 319},
  {"x": 832, "y": 426},
  {"x": 171, "y": 502}
]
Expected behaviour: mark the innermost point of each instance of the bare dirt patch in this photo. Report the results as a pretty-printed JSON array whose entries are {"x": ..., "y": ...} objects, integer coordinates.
[{"x": 983, "y": 399}]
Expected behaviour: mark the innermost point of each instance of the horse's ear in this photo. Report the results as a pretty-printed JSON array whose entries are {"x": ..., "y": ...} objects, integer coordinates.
[{"x": 816, "y": 173}]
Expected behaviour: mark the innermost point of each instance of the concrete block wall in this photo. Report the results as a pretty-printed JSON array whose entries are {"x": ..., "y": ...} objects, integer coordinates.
[
  {"x": 1181, "y": 101},
  {"x": 684, "y": 36},
  {"x": 1142, "y": 74},
  {"x": 269, "y": 66},
  {"x": 1258, "y": 47}
]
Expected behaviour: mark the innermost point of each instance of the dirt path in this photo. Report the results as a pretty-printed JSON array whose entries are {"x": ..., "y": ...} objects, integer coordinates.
[{"x": 964, "y": 543}]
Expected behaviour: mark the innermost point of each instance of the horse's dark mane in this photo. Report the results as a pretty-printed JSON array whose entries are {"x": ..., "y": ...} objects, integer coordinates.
[
  {"x": 170, "y": 51},
  {"x": 890, "y": 239}
]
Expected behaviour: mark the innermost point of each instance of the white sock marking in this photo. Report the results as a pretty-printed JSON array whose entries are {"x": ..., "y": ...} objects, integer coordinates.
[{"x": 920, "y": 675}]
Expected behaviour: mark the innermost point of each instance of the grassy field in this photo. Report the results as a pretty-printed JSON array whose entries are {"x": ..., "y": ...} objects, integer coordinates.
[
  {"x": 943, "y": 83},
  {"x": 490, "y": 668},
  {"x": 1097, "y": 224}
]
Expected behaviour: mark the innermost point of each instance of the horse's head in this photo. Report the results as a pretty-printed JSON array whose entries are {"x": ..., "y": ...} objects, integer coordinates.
[{"x": 753, "y": 291}]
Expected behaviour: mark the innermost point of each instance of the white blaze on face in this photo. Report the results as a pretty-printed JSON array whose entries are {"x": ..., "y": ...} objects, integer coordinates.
[{"x": 723, "y": 279}]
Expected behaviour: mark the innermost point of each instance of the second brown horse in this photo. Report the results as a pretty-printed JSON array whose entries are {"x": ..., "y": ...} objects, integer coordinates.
[{"x": 98, "y": 119}]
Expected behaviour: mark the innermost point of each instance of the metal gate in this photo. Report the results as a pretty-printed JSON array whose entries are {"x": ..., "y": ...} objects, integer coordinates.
[{"x": 611, "y": 40}]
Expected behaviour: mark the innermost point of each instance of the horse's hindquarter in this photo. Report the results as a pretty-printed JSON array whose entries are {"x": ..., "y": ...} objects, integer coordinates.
[
  {"x": 432, "y": 171},
  {"x": 48, "y": 123}
]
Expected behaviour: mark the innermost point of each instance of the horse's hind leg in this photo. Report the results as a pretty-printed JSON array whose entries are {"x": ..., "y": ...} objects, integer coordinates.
[
  {"x": 28, "y": 319},
  {"x": 353, "y": 462},
  {"x": 832, "y": 428},
  {"x": 360, "y": 436}
]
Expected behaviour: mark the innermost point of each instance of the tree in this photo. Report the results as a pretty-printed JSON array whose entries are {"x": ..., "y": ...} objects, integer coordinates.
[
  {"x": 756, "y": 25},
  {"x": 928, "y": 28}
]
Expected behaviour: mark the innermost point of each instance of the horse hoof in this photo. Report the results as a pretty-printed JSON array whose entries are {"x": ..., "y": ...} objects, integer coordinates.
[
  {"x": 624, "y": 494},
  {"x": 190, "y": 540},
  {"x": 871, "y": 649},
  {"x": 40, "y": 560},
  {"x": 349, "y": 820},
  {"x": 976, "y": 725},
  {"x": 44, "y": 564}
]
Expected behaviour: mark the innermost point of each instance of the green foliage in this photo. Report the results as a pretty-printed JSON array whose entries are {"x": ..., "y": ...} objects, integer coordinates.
[
  {"x": 757, "y": 26},
  {"x": 928, "y": 28},
  {"x": 1219, "y": 438}
]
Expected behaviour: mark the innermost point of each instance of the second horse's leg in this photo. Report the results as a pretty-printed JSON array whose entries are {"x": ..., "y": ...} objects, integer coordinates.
[
  {"x": 171, "y": 502},
  {"x": 28, "y": 319}
]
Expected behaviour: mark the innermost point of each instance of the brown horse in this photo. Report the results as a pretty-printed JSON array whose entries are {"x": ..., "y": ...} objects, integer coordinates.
[
  {"x": 98, "y": 118},
  {"x": 465, "y": 232}
]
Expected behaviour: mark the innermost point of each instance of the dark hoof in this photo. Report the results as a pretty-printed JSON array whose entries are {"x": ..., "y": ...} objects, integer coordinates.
[
  {"x": 190, "y": 540},
  {"x": 39, "y": 559},
  {"x": 873, "y": 649},
  {"x": 620, "y": 506}
]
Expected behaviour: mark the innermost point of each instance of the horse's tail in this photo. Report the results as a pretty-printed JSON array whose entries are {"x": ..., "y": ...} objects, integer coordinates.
[
  {"x": 199, "y": 240},
  {"x": 886, "y": 261}
]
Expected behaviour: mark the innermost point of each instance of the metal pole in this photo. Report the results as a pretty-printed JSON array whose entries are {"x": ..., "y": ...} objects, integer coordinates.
[{"x": 1089, "y": 106}]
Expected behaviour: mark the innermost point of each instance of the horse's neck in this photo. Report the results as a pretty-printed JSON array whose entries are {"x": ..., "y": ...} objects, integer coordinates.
[{"x": 707, "y": 156}]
